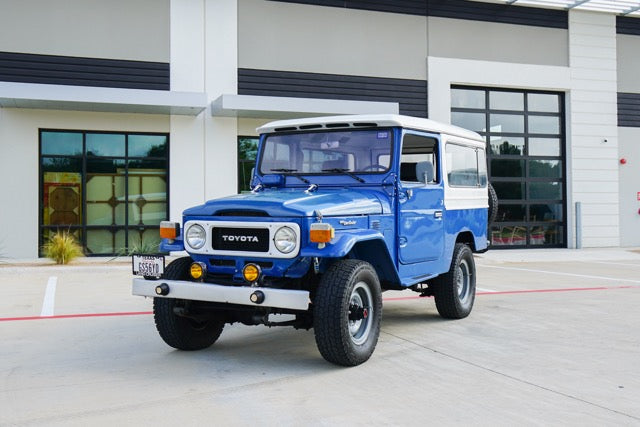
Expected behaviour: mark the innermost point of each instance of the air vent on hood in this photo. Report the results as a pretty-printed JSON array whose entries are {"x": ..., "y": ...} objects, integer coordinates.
[{"x": 241, "y": 213}]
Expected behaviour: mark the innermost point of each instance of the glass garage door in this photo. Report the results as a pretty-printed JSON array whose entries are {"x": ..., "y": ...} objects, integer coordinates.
[{"x": 525, "y": 137}]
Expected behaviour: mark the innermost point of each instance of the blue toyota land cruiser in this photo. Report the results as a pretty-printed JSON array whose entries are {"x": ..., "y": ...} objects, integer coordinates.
[{"x": 341, "y": 210}]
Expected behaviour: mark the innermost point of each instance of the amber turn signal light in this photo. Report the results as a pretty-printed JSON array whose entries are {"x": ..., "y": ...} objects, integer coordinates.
[
  {"x": 321, "y": 232},
  {"x": 169, "y": 229}
]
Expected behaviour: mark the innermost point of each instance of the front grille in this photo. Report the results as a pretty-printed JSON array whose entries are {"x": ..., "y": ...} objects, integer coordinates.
[
  {"x": 223, "y": 262},
  {"x": 240, "y": 239}
]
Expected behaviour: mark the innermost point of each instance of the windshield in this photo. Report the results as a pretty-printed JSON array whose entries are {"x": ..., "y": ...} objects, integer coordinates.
[{"x": 358, "y": 151}]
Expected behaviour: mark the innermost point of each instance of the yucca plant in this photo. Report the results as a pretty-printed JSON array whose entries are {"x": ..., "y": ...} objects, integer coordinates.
[
  {"x": 144, "y": 247},
  {"x": 62, "y": 247}
]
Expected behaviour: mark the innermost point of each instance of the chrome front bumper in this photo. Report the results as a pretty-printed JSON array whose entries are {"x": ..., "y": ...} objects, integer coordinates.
[{"x": 277, "y": 298}]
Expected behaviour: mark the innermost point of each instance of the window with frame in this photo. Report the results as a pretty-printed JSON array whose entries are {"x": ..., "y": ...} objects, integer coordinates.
[
  {"x": 524, "y": 131},
  {"x": 109, "y": 189},
  {"x": 466, "y": 166},
  {"x": 419, "y": 159},
  {"x": 327, "y": 153},
  {"x": 247, "y": 152}
]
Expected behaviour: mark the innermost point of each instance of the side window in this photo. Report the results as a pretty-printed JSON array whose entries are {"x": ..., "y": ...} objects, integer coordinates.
[
  {"x": 466, "y": 166},
  {"x": 419, "y": 159}
]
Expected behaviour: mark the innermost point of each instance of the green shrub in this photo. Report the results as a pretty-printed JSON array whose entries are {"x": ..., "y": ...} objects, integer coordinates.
[
  {"x": 62, "y": 247},
  {"x": 144, "y": 247}
]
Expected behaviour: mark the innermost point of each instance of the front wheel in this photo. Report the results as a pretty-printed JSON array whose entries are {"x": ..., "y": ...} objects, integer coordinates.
[
  {"x": 176, "y": 326},
  {"x": 455, "y": 291},
  {"x": 347, "y": 311}
]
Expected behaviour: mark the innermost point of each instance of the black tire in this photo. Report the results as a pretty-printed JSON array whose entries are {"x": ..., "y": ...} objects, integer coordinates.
[
  {"x": 455, "y": 291},
  {"x": 347, "y": 311},
  {"x": 177, "y": 331},
  {"x": 493, "y": 205}
]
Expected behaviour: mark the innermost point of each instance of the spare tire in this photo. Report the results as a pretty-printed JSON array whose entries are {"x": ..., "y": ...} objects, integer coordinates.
[{"x": 493, "y": 205}]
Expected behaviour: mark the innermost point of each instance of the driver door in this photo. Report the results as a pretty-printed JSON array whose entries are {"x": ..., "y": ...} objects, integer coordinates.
[{"x": 420, "y": 200}]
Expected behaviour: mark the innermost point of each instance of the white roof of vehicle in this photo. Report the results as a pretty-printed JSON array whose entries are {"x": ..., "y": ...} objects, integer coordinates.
[{"x": 368, "y": 120}]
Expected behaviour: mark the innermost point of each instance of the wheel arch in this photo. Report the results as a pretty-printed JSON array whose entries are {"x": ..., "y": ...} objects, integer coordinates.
[
  {"x": 468, "y": 239},
  {"x": 376, "y": 253}
]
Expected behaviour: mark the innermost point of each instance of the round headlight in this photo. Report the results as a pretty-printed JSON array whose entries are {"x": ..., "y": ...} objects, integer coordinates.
[
  {"x": 196, "y": 236},
  {"x": 285, "y": 240}
]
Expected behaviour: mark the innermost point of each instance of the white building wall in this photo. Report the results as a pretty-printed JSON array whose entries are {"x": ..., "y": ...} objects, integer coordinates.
[
  {"x": 628, "y": 48},
  {"x": 204, "y": 54},
  {"x": 492, "y": 41},
  {"x": 221, "y": 77},
  {"x": 19, "y": 165},
  {"x": 629, "y": 174},
  {"x": 592, "y": 126},
  {"x": 116, "y": 29},
  {"x": 332, "y": 40},
  {"x": 186, "y": 186}
]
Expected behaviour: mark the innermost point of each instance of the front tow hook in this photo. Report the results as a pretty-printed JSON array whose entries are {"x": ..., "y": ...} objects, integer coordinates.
[{"x": 162, "y": 289}]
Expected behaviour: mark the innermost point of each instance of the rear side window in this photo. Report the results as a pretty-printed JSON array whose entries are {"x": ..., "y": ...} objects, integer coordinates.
[{"x": 466, "y": 166}]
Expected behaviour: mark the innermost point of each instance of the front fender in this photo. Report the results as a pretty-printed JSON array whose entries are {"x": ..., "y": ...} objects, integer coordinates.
[
  {"x": 341, "y": 244},
  {"x": 167, "y": 245}
]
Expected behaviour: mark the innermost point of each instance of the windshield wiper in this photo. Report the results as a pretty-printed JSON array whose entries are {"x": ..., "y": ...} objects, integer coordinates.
[
  {"x": 288, "y": 173},
  {"x": 345, "y": 172}
]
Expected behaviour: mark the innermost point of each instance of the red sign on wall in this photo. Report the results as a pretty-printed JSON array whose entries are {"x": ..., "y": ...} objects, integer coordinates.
[{"x": 638, "y": 195}]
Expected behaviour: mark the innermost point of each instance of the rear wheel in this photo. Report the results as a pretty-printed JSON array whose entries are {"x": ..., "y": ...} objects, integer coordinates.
[
  {"x": 186, "y": 331},
  {"x": 347, "y": 311},
  {"x": 455, "y": 291}
]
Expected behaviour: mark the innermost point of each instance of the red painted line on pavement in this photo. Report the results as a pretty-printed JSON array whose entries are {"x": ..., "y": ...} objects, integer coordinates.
[
  {"x": 143, "y": 313},
  {"x": 75, "y": 316}
]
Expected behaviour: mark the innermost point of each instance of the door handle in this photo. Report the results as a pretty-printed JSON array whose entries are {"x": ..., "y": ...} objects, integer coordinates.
[{"x": 437, "y": 214}]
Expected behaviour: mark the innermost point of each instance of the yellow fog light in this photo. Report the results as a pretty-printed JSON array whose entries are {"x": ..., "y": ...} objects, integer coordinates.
[
  {"x": 197, "y": 270},
  {"x": 321, "y": 232},
  {"x": 251, "y": 273}
]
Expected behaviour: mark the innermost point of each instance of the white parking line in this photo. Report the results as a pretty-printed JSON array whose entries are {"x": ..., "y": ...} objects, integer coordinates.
[
  {"x": 586, "y": 276},
  {"x": 613, "y": 263},
  {"x": 49, "y": 297}
]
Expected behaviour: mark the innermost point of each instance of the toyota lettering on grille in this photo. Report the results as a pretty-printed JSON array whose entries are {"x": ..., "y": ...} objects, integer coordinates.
[
  {"x": 240, "y": 239},
  {"x": 233, "y": 238}
]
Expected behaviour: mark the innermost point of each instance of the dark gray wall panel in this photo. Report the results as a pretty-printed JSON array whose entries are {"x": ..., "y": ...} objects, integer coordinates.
[
  {"x": 626, "y": 25},
  {"x": 410, "y": 94},
  {"x": 67, "y": 70},
  {"x": 629, "y": 109},
  {"x": 502, "y": 13},
  {"x": 458, "y": 9},
  {"x": 410, "y": 7}
]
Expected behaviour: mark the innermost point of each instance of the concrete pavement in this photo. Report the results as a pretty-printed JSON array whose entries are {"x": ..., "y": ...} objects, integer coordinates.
[{"x": 554, "y": 338}]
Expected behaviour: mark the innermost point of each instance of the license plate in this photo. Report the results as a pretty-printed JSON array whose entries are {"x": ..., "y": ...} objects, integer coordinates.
[{"x": 148, "y": 265}]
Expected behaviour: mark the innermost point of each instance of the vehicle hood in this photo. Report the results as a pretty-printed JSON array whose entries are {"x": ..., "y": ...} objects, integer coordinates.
[{"x": 296, "y": 202}]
